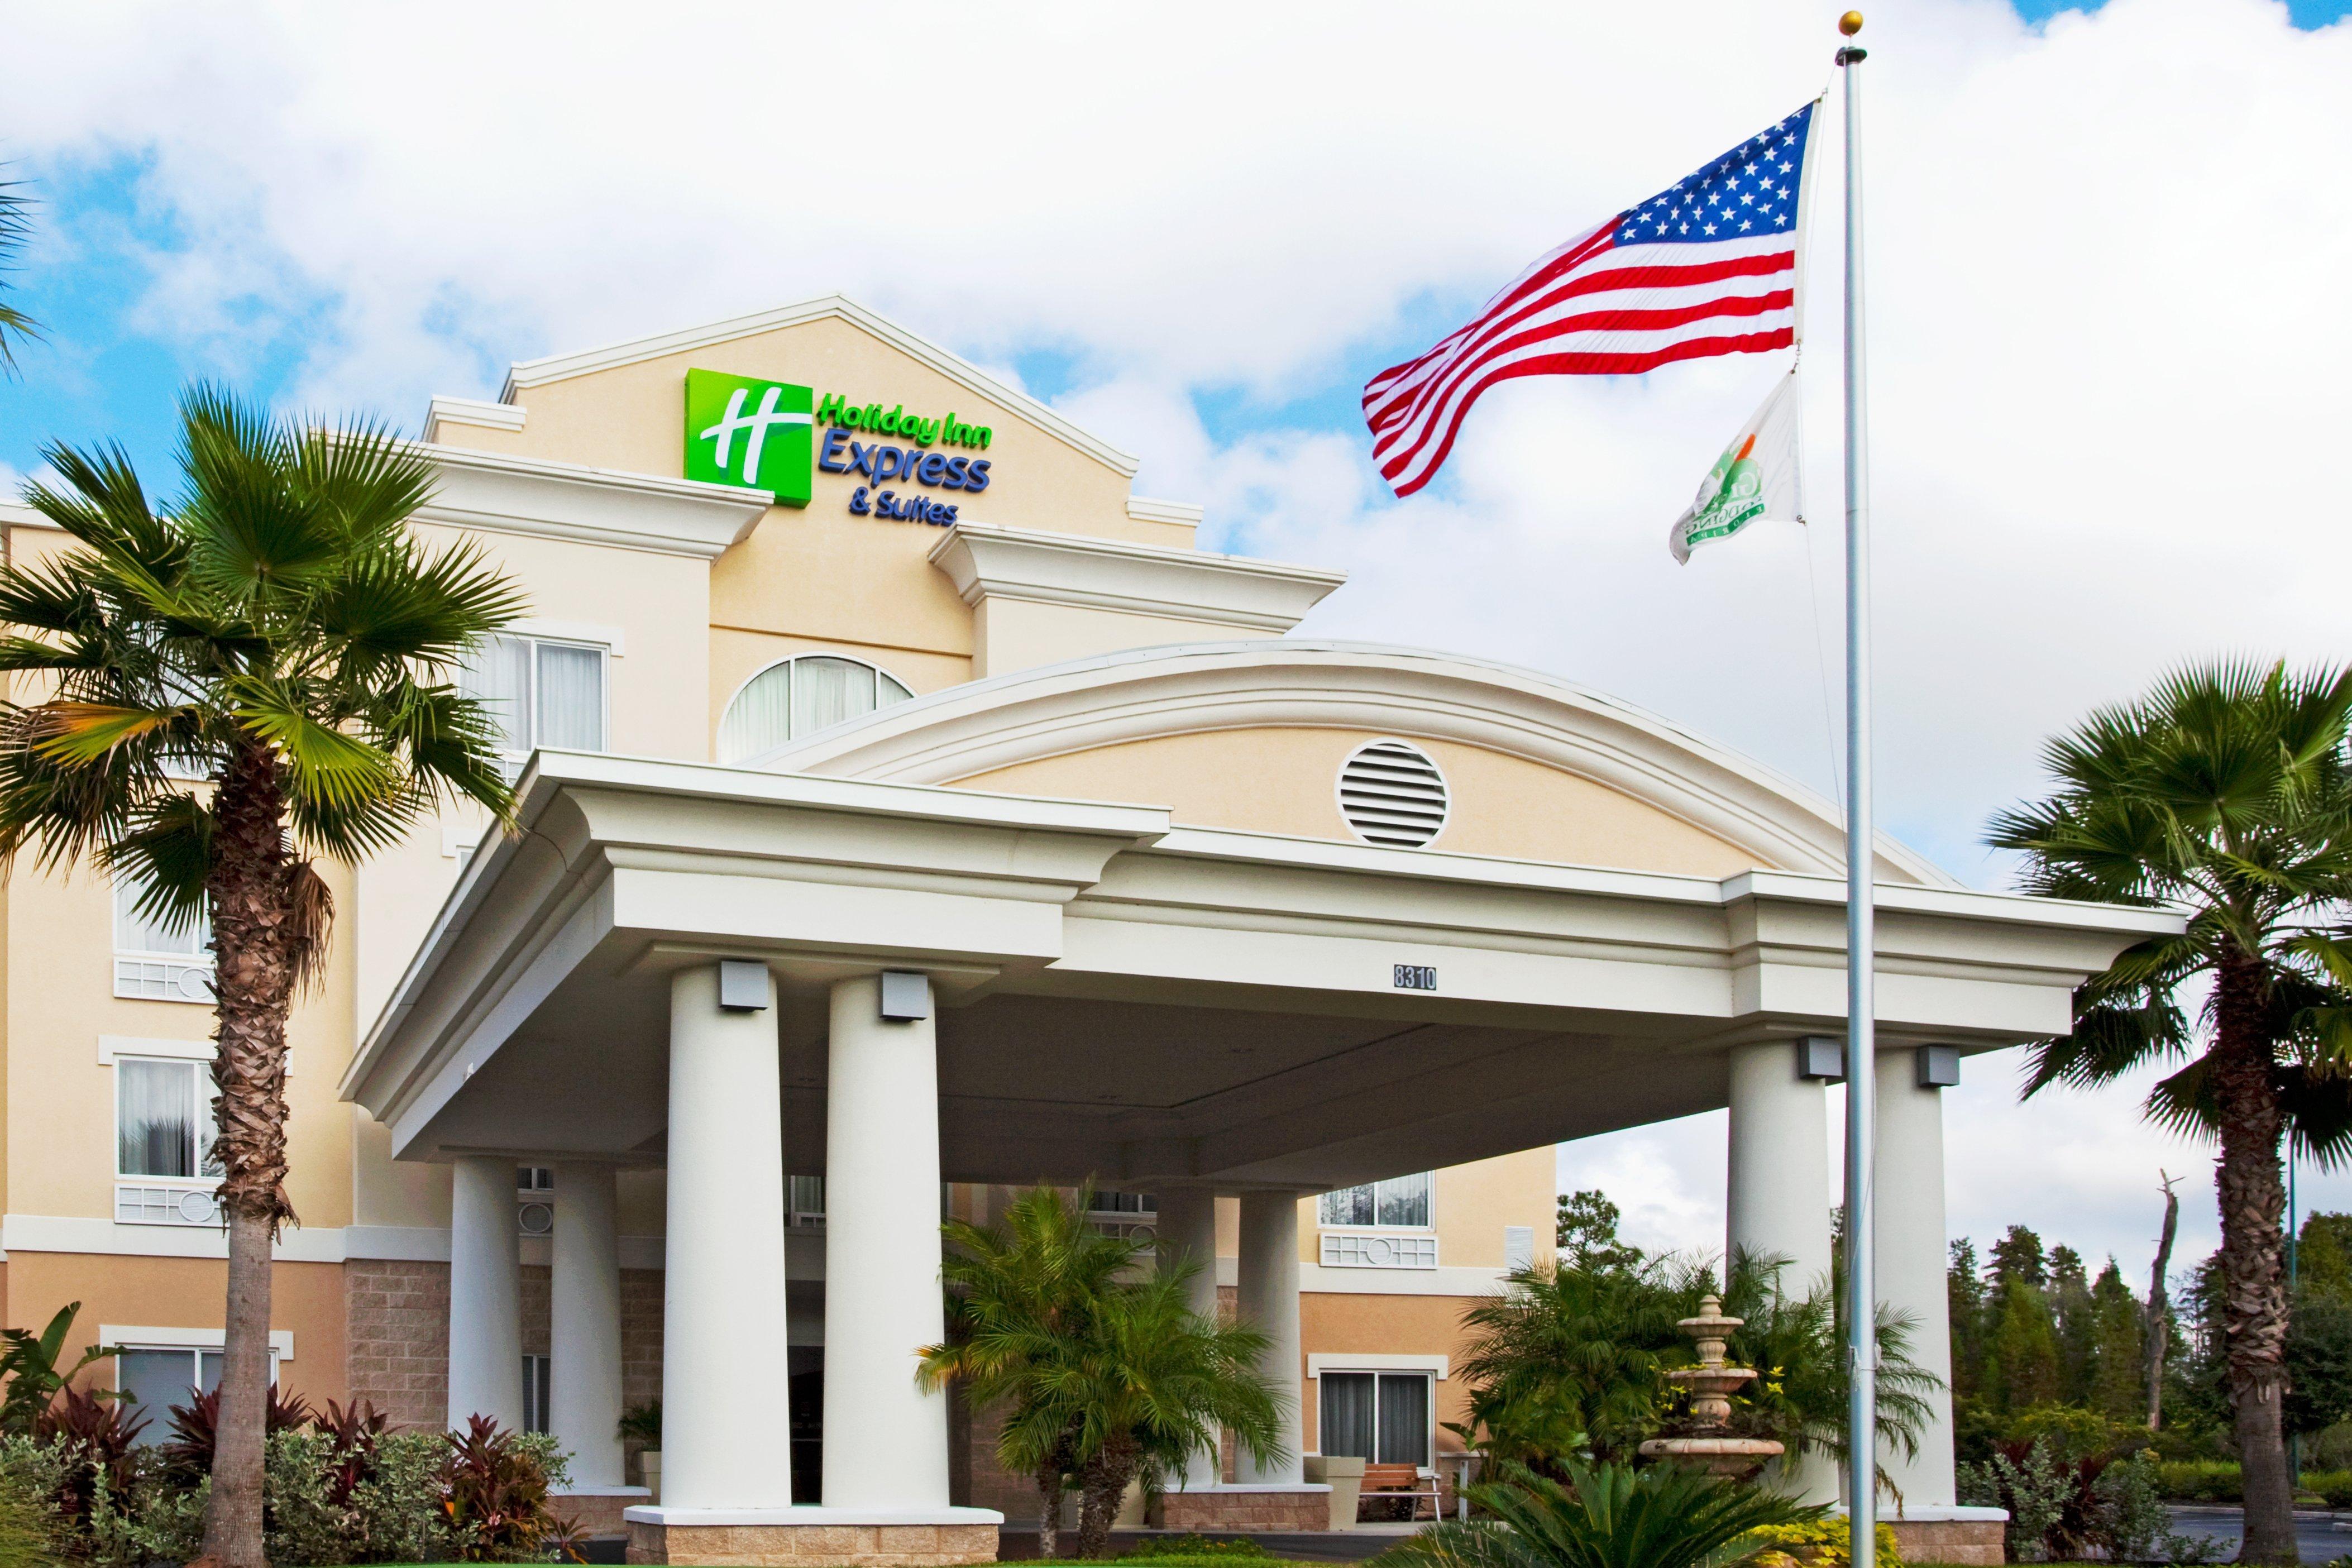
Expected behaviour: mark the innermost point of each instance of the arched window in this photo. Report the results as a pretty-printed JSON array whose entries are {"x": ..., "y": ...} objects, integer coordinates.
[{"x": 799, "y": 697}]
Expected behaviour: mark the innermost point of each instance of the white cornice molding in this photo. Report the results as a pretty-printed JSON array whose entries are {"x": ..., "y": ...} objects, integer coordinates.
[
  {"x": 14, "y": 514},
  {"x": 989, "y": 563},
  {"x": 558, "y": 367},
  {"x": 494, "y": 493},
  {"x": 470, "y": 411},
  {"x": 1146, "y": 693},
  {"x": 1143, "y": 509}
]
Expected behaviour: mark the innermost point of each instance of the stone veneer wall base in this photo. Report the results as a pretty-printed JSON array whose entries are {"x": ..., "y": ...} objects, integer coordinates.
[
  {"x": 1248, "y": 1508},
  {"x": 779, "y": 1545},
  {"x": 1974, "y": 1542}
]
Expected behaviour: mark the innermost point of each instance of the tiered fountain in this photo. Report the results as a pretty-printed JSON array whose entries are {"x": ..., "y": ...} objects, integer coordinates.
[{"x": 1706, "y": 1443}]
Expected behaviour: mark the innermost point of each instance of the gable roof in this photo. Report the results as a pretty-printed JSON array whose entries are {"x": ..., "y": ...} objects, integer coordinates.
[{"x": 528, "y": 373}]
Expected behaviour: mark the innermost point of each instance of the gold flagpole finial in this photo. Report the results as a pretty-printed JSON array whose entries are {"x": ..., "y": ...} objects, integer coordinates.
[{"x": 1850, "y": 24}]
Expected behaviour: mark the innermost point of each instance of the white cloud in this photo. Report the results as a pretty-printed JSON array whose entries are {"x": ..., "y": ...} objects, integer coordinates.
[{"x": 2107, "y": 321}]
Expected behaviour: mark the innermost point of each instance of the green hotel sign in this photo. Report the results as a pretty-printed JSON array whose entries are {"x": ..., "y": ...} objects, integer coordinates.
[
  {"x": 756, "y": 434},
  {"x": 762, "y": 435}
]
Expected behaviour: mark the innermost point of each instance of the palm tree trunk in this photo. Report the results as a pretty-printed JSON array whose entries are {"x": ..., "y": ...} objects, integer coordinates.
[
  {"x": 1102, "y": 1488},
  {"x": 253, "y": 960},
  {"x": 1049, "y": 1512},
  {"x": 2255, "y": 1304}
]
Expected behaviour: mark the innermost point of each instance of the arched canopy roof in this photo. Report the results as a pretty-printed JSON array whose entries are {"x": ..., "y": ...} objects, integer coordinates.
[{"x": 1195, "y": 689}]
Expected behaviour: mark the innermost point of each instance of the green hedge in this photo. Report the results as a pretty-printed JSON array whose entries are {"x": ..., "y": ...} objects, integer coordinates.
[{"x": 2216, "y": 1480}]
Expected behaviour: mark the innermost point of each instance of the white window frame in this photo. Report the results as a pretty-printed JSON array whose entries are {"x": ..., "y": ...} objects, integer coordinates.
[
  {"x": 168, "y": 1194},
  {"x": 178, "y": 968},
  {"x": 1431, "y": 1368},
  {"x": 535, "y": 1200},
  {"x": 1427, "y": 1228},
  {"x": 605, "y": 653},
  {"x": 797, "y": 1188},
  {"x": 193, "y": 1342},
  {"x": 880, "y": 675}
]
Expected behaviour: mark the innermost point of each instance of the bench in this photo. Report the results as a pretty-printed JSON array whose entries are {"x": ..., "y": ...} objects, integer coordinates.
[{"x": 1404, "y": 1481}]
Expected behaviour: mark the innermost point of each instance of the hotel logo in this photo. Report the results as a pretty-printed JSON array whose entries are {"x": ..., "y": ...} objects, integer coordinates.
[{"x": 752, "y": 433}]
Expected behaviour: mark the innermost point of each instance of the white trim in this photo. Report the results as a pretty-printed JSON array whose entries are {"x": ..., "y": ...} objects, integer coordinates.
[
  {"x": 636, "y": 350},
  {"x": 1145, "y": 510},
  {"x": 985, "y": 561},
  {"x": 810, "y": 1516},
  {"x": 612, "y": 640},
  {"x": 1318, "y": 1363},
  {"x": 1144, "y": 693},
  {"x": 281, "y": 1341},
  {"x": 443, "y": 411},
  {"x": 1445, "y": 1279},
  {"x": 16, "y": 515},
  {"x": 110, "y": 1046},
  {"x": 490, "y": 492}
]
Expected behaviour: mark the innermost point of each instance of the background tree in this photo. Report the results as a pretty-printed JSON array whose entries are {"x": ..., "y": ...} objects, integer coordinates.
[
  {"x": 2156, "y": 1322},
  {"x": 1586, "y": 1231},
  {"x": 279, "y": 631},
  {"x": 2226, "y": 790}
]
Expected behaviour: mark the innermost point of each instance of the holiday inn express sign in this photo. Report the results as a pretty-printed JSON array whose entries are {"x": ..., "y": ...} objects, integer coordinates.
[{"x": 762, "y": 435}]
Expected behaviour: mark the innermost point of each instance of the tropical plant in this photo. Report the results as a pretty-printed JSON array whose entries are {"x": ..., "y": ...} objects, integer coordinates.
[
  {"x": 1606, "y": 1516},
  {"x": 29, "y": 1363},
  {"x": 16, "y": 227},
  {"x": 97, "y": 1439},
  {"x": 643, "y": 1423},
  {"x": 189, "y": 1451},
  {"x": 279, "y": 631},
  {"x": 496, "y": 1495},
  {"x": 1108, "y": 1374},
  {"x": 2224, "y": 792},
  {"x": 1570, "y": 1358}
]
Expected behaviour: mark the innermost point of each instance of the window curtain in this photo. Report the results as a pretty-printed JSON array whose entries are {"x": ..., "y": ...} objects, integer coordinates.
[
  {"x": 1404, "y": 1419},
  {"x": 1349, "y": 1206},
  {"x": 151, "y": 1381},
  {"x": 156, "y": 1112},
  {"x": 1347, "y": 1414},
  {"x": 761, "y": 717},
  {"x": 498, "y": 676},
  {"x": 570, "y": 697},
  {"x": 135, "y": 932},
  {"x": 1404, "y": 1201},
  {"x": 827, "y": 690}
]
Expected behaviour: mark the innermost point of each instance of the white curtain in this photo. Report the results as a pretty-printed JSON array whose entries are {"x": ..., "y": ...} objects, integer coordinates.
[
  {"x": 135, "y": 932},
  {"x": 155, "y": 1117},
  {"x": 570, "y": 697},
  {"x": 1404, "y": 1201},
  {"x": 761, "y": 717},
  {"x": 827, "y": 690},
  {"x": 498, "y": 676}
]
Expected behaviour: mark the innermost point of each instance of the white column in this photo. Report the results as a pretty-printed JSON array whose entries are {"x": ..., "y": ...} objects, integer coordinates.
[
  {"x": 1779, "y": 1201},
  {"x": 1911, "y": 1256},
  {"x": 484, "y": 1294},
  {"x": 1268, "y": 1302},
  {"x": 1188, "y": 1231},
  {"x": 584, "y": 1324},
  {"x": 886, "y": 1438},
  {"x": 726, "y": 1385}
]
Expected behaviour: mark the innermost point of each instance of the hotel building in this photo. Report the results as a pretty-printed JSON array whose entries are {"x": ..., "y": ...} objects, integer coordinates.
[{"x": 910, "y": 813}]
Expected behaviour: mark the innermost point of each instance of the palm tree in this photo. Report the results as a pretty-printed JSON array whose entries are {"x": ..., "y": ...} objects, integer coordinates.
[
  {"x": 1607, "y": 1515},
  {"x": 2224, "y": 793},
  {"x": 1152, "y": 1383},
  {"x": 16, "y": 227},
  {"x": 1107, "y": 1371},
  {"x": 1571, "y": 1358},
  {"x": 280, "y": 635}
]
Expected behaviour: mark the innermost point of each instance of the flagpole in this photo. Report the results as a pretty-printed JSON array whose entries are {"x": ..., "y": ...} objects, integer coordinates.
[{"x": 1861, "y": 923}]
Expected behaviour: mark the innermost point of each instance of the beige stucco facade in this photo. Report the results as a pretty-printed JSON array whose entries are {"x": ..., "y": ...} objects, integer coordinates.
[{"x": 681, "y": 627}]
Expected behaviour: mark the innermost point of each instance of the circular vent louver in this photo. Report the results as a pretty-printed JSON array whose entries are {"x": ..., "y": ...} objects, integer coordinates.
[{"x": 1391, "y": 793}]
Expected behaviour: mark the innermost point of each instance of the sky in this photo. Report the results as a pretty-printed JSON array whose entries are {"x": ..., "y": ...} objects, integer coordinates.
[{"x": 2108, "y": 250}]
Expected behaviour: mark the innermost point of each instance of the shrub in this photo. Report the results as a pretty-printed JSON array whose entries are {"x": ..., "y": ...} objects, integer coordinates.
[
  {"x": 1617, "y": 1517},
  {"x": 496, "y": 1494},
  {"x": 1819, "y": 1543},
  {"x": 397, "y": 1503},
  {"x": 2064, "y": 1509},
  {"x": 2199, "y": 1480},
  {"x": 190, "y": 1451}
]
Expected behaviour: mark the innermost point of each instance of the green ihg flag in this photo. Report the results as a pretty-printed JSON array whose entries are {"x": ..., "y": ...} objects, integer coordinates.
[
  {"x": 756, "y": 434},
  {"x": 1758, "y": 476}
]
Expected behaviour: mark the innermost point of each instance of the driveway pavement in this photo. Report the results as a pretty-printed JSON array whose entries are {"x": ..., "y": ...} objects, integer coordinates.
[{"x": 2316, "y": 1538}]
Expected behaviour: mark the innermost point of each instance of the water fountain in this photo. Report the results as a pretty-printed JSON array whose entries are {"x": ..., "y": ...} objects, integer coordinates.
[{"x": 1706, "y": 1442}]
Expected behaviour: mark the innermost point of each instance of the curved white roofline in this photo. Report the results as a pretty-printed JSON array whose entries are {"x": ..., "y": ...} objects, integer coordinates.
[{"x": 1188, "y": 688}]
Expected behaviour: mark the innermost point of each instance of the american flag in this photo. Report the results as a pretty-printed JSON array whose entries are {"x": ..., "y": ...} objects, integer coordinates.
[{"x": 1705, "y": 266}]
